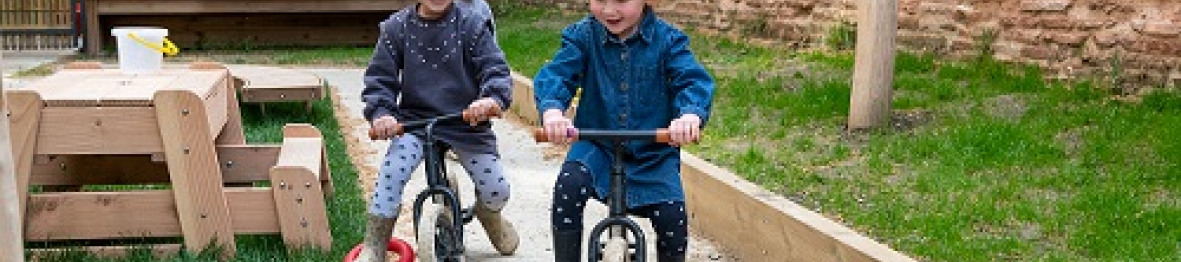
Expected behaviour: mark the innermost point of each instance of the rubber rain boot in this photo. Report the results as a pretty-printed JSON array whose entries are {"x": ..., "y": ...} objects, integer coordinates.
[
  {"x": 377, "y": 237},
  {"x": 500, "y": 231},
  {"x": 567, "y": 245}
]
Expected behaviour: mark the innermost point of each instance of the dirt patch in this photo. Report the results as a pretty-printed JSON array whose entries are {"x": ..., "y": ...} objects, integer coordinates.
[{"x": 1009, "y": 107}]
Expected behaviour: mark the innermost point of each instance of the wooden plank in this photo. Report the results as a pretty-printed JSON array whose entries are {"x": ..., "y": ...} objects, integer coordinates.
[
  {"x": 759, "y": 225},
  {"x": 304, "y": 146},
  {"x": 25, "y": 107},
  {"x": 158, "y": 251},
  {"x": 873, "y": 74},
  {"x": 238, "y": 163},
  {"x": 130, "y": 7},
  {"x": 54, "y": 216},
  {"x": 299, "y": 204},
  {"x": 99, "y": 130},
  {"x": 216, "y": 105},
  {"x": 281, "y": 94},
  {"x": 11, "y": 243},
  {"x": 192, "y": 165}
]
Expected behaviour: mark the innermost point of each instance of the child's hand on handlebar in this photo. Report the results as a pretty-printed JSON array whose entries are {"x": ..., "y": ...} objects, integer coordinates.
[
  {"x": 481, "y": 110},
  {"x": 685, "y": 130},
  {"x": 384, "y": 127},
  {"x": 558, "y": 128}
]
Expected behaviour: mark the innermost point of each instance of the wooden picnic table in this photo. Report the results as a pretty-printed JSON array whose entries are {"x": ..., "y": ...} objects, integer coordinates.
[{"x": 179, "y": 127}]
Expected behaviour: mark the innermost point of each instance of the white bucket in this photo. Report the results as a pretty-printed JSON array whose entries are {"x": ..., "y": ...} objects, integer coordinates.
[{"x": 137, "y": 57}]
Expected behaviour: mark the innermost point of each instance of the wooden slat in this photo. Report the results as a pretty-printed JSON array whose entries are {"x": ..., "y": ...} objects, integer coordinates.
[
  {"x": 216, "y": 105},
  {"x": 758, "y": 225},
  {"x": 107, "y": 252},
  {"x": 192, "y": 165},
  {"x": 99, "y": 130},
  {"x": 11, "y": 245},
  {"x": 128, "y": 7},
  {"x": 54, "y": 216}
]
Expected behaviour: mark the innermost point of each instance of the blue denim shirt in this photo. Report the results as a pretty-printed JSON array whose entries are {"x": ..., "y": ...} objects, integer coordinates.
[{"x": 641, "y": 83}]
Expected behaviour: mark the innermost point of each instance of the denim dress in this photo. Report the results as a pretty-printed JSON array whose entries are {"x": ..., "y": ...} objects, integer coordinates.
[{"x": 639, "y": 83}]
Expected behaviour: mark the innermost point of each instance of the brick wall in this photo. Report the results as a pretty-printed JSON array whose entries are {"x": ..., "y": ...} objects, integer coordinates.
[{"x": 1068, "y": 38}]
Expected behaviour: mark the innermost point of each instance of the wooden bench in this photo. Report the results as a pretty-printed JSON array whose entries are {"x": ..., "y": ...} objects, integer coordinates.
[{"x": 270, "y": 84}]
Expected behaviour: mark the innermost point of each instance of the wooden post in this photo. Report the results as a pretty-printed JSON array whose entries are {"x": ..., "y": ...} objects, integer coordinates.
[
  {"x": 11, "y": 242},
  {"x": 873, "y": 75}
]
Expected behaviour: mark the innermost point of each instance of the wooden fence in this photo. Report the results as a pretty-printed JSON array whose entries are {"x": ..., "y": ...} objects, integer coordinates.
[{"x": 40, "y": 24}]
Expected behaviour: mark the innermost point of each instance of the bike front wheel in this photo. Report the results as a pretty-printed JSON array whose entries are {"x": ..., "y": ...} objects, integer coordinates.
[{"x": 436, "y": 235}]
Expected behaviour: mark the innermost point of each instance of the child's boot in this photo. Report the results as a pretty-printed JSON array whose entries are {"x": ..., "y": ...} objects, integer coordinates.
[
  {"x": 500, "y": 231},
  {"x": 567, "y": 245},
  {"x": 377, "y": 237},
  {"x": 671, "y": 258}
]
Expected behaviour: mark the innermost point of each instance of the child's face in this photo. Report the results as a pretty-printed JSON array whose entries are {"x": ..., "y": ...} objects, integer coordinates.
[
  {"x": 621, "y": 17},
  {"x": 432, "y": 9}
]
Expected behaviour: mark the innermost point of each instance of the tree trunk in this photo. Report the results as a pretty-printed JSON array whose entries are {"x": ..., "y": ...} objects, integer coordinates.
[{"x": 873, "y": 75}]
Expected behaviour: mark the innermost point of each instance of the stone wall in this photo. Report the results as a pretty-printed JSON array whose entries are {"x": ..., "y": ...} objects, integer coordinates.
[{"x": 1141, "y": 39}]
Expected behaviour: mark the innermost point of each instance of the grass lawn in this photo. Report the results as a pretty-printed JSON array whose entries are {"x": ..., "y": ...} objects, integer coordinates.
[{"x": 983, "y": 161}]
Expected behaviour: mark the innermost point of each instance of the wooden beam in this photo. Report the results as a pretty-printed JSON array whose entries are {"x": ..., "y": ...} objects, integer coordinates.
[
  {"x": 238, "y": 164},
  {"x": 136, "y": 7},
  {"x": 98, "y": 130},
  {"x": 192, "y": 166},
  {"x": 54, "y": 216},
  {"x": 759, "y": 225},
  {"x": 11, "y": 243},
  {"x": 94, "y": 38},
  {"x": 25, "y": 107},
  {"x": 873, "y": 75}
]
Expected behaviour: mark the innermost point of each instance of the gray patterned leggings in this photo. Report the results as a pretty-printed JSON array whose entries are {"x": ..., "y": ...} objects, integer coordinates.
[{"x": 405, "y": 155}]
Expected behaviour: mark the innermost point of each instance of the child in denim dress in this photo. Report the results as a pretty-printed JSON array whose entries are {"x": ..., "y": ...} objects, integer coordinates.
[
  {"x": 436, "y": 58},
  {"x": 636, "y": 73}
]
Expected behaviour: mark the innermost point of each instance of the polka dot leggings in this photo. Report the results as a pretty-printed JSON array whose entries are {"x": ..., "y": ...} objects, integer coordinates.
[
  {"x": 573, "y": 188},
  {"x": 405, "y": 155}
]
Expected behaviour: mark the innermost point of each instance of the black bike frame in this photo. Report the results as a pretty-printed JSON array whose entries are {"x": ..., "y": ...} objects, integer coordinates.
[
  {"x": 436, "y": 177},
  {"x": 617, "y": 200}
]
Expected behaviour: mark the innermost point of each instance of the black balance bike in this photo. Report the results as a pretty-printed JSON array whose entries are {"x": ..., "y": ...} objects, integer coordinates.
[
  {"x": 625, "y": 239},
  {"x": 438, "y": 235}
]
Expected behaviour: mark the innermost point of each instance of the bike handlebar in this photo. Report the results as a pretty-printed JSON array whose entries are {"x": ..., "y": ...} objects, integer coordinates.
[
  {"x": 401, "y": 127},
  {"x": 660, "y": 135}
]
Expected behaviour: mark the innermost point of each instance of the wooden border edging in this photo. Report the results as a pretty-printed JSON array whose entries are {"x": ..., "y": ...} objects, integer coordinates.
[
  {"x": 748, "y": 221},
  {"x": 759, "y": 225}
]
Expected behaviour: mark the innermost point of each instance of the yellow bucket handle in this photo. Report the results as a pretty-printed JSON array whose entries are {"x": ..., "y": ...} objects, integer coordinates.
[{"x": 168, "y": 48}]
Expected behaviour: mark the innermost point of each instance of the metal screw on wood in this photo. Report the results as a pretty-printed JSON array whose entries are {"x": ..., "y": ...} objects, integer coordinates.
[
  {"x": 186, "y": 150},
  {"x": 229, "y": 164},
  {"x": 304, "y": 222},
  {"x": 184, "y": 112},
  {"x": 307, "y": 185},
  {"x": 204, "y": 216},
  {"x": 63, "y": 166},
  {"x": 299, "y": 200},
  {"x": 282, "y": 185}
]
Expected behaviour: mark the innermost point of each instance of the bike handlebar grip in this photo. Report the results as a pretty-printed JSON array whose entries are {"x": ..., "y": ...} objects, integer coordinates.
[
  {"x": 539, "y": 135},
  {"x": 663, "y": 136},
  {"x": 469, "y": 117},
  {"x": 398, "y": 131}
]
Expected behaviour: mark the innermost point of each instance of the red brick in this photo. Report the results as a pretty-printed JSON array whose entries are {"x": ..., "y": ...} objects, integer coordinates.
[{"x": 1045, "y": 5}]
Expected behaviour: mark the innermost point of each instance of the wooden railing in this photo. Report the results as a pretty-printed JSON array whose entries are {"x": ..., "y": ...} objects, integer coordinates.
[{"x": 39, "y": 24}]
